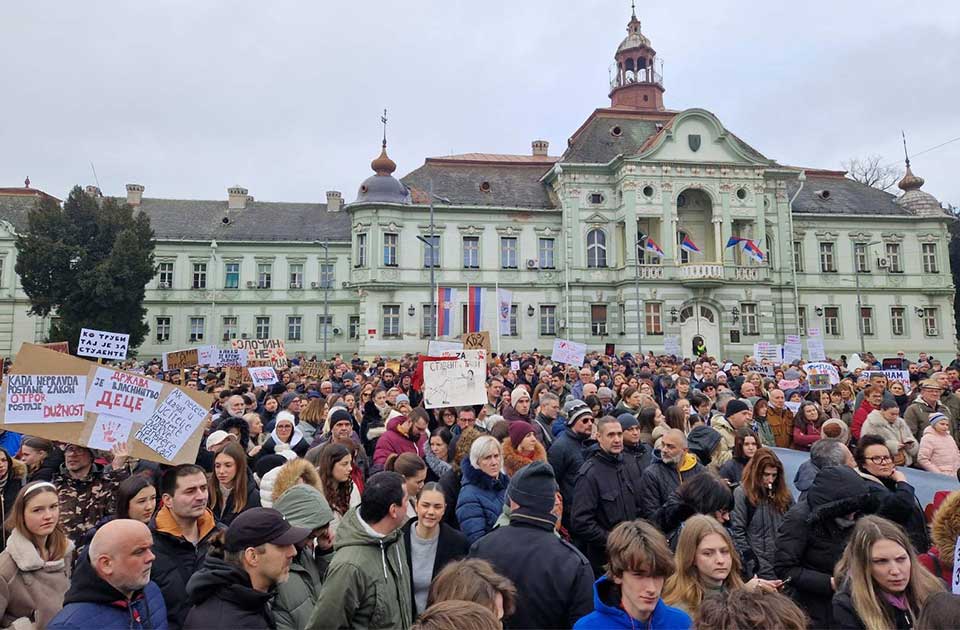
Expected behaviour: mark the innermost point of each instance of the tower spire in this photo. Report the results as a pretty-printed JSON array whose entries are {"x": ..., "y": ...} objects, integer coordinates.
[
  {"x": 906, "y": 157},
  {"x": 633, "y": 9},
  {"x": 909, "y": 181},
  {"x": 383, "y": 119},
  {"x": 382, "y": 164}
]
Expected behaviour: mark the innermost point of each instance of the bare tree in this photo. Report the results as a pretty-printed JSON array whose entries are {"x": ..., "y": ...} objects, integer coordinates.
[{"x": 872, "y": 172}]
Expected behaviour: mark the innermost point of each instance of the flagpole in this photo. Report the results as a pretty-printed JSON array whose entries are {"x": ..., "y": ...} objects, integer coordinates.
[{"x": 496, "y": 291}]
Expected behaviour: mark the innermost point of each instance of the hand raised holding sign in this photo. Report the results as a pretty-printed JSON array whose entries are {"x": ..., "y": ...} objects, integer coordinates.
[{"x": 121, "y": 456}]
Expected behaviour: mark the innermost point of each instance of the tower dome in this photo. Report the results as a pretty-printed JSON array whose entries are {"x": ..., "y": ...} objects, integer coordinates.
[
  {"x": 382, "y": 186},
  {"x": 634, "y": 80},
  {"x": 919, "y": 202}
]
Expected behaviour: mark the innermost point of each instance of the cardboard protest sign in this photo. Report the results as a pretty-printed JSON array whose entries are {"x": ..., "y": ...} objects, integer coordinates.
[
  {"x": 272, "y": 350},
  {"x": 231, "y": 357},
  {"x": 262, "y": 376},
  {"x": 180, "y": 359},
  {"x": 207, "y": 355},
  {"x": 476, "y": 341},
  {"x": 43, "y": 398},
  {"x": 393, "y": 365},
  {"x": 174, "y": 422},
  {"x": 58, "y": 346},
  {"x": 900, "y": 376},
  {"x": 822, "y": 367},
  {"x": 103, "y": 345},
  {"x": 311, "y": 368},
  {"x": 610, "y": 350},
  {"x": 459, "y": 381},
  {"x": 671, "y": 346},
  {"x": 792, "y": 349},
  {"x": 125, "y": 395},
  {"x": 569, "y": 352},
  {"x": 440, "y": 348},
  {"x": 766, "y": 351},
  {"x": 819, "y": 381},
  {"x": 234, "y": 376}
]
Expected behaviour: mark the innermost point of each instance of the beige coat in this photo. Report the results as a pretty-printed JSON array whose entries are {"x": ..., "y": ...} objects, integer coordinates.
[
  {"x": 893, "y": 434},
  {"x": 31, "y": 590}
]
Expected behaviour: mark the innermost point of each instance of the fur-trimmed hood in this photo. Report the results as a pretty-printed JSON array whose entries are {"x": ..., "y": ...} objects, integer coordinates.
[
  {"x": 513, "y": 460},
  {"x": 945, "y": 527},
  {"x": 294, "y": 472}
]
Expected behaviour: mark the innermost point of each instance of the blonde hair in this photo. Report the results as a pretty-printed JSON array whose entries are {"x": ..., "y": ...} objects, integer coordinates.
[
  {"x": 854, "y": 571},
  {"x": 684, "y": 587},
  {"x": 483, "y": 446}
]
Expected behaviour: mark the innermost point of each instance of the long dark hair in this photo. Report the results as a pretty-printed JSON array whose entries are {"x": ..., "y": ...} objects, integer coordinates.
[
  {"x": 234, "y": 451},
  {"x": 337, "y": 493},
  {"x": 779, "y": 494},
  {"x": 127, "y": 490}
]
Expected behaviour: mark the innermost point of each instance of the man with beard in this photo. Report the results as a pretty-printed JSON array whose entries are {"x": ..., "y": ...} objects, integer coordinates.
[
  {"x": 546, "y": 415},
  {"x": 672, "y": 465}
]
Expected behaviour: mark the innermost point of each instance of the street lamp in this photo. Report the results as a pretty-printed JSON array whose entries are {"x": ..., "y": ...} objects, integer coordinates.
[
  {"x": 856, "y": 275},
  {"x": 636, "y": 265},
  {"x": 433, "y": 262}
]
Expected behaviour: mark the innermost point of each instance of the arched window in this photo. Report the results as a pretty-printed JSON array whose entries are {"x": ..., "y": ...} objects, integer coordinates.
[
  {"x": 596, "y": 248},
  {"x": 686, "y": 313},
  {"x": 768, "y": 253}
]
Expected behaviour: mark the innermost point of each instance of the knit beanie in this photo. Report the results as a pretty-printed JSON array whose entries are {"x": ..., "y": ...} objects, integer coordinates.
[
  {"x": 267, "y": 463},
  {"x": 736, "y": 406},
  {"x": 518, "y": 393},
  {"x": 627, "y": 421},
  {"x": 534, "y": 487},
  {"x": 340, "y": 415},
  {"x": 935, "y": 418},
  {"x": 575, "y": 410},
  {"x": 518, "y": 430}
]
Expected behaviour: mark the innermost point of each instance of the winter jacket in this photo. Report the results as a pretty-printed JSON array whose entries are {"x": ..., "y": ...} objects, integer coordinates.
[
  {"x": 514, "y": 460},
  {"x": 566, "y": 456},
  {"x": 722, "y": 426},
  {"x": 31, "y": 590},
  {"x": 604, "y": 497},
  {"x": 893, "y": 434},
  {"x": 298, "y": 444},
  {"x": 859, "y": 417},
  {"x": 637, "y": 458},
  {"x": 917, "y": 413},
  {"x": 661, "y": 479},
  {"x": 762, "y": 428},
  {"x": 732, "y": 471},
  {"x": 450, "y": 483},
  {"x": 608, "y": 615},
  {"x": 222, "y": 598},
  {"x": 702, "y": 441},
  {"x": 938, "y": 453},
  {"x": 372, "y": 425},
  {"x": 545, "y": 425},
  {"x": 780, "y": 422},
  {"x": 754, "y": 531},
  {"x": 16, "y": 473},
  {"x": 367, "y": 583},
  {"x": 811, "y": 540},
  {"x": 944, "y": 530},
  {"x": 845, "y": 616},
  {"x": 394, "y": 442},
  {"x": 227, "y": 513},
  {"x": 85, "y": 501},
  {"x": 451, "y": 545},
  {"x": 177, "y": 559},
  {"x": 554, "y": 580},
  {"x": 805, "y": 434},
  {"x": 899, "y": 504},
  {"x": 480, "y": 501},
  {"x": 92, "y": 603}
]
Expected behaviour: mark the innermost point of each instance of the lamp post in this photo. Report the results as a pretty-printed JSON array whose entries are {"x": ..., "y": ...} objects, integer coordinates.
[
  {"x": 856, "y": 275},
  {"x": 326, "y": 297},
  {"x": 636, "y": 265},
  {"x": 433, "y": 263}
]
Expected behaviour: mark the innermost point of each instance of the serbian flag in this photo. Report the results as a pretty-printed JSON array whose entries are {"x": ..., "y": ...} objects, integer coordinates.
[
  {"x": 653, "y": 248},
  {"x": 689, "y": 245},
  {"x": 751, "y": 249},
  {"x": 474, "y": 309},
  {"x": 734, "y": 241},
  {"x": 446, "y": 298}
]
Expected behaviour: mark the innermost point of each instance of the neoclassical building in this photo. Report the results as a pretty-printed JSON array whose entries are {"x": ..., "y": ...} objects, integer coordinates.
[{"x": 620, "y": 238}]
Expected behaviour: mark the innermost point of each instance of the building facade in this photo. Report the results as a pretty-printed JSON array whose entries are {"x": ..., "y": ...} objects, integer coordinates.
[{"x": 622, "y": 238}]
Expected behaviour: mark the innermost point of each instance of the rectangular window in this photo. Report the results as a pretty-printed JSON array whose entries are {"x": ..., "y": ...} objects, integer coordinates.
[
  {"x": 354, "y": 326},
  {"x": 391, "y": 321},
  {"x": 898, "y": 321},
  {"x": 295, "y": 327},
  {"x": 548, "y": 319},
  {"x": 264, "y": 276},
  {"x": 828, "y": 262},
  {"x": 229, "y": 327},
  {"x": 326, "y": 275},
  {"x": 324, "y": 324},
  {"x": 893, "y": 258},
  {"x": 802, "y": 320},
  {"x": 798, "y": 256},
  {"x": 598, "y": 319},
  {"x": 508, "y": 252},
  {"x": 471, "y": 252},
  {"x": 390, "y": 250},
  {"x": 931, "y": 321},
  {"x": 514, "y": 309},
  {"x": 860, "y": 262},
  {"x": 199, "y": 275},
  {"x": 263, "y": 327},
  {"x": 429, "y": 323},
  {"x": 653, "y": 318},
  {"x": 361, "y": 250},
  {"x": 2, "y": 261},
  {"x": 431, "y": 255},
  {"x": 831, "y": 321},
  {"x": 750, "y": 319},
  {"x": 296, "y": 275},
  {"x": 163, "y": 329},
  {"x": 196, "y": 329},
  {"x": 866, "y": 320},
  {"x": 231, "y": 275},
  {"x": 545, "y": 251},
  {"x": 165, "y": 275},
  {"x": 929, "y": 252}
]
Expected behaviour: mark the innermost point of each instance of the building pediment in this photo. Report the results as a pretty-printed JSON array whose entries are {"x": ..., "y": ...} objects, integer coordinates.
[{"x": 696, "y": 135}]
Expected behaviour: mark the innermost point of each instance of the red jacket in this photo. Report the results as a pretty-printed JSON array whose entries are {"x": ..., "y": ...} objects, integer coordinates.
[
  {"x": 392, "y": 441},
  {"x": 859, "y": 417},
  {"x": 804, "y": 439}
]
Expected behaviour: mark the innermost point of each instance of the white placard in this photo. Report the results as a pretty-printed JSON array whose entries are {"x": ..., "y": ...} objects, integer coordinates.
[
  {"x": 172, "y": 424},
  {"x": 207, "y": 355},
  {"x": 44, "y": 398},
  {"x": 765, "y": 350},
  {"x": 229, "y": 357},
  {"x": 569, "y": 352},
  {"x": 108, "y": 431},
  {"x": 120, "y": 394},
  {"x": 457, "y": 382},
  {"x": 855, "y": 363},
  {"x": 102, "y": 344},
  {"x": 441, "y": 348},
  {"x": 263, "y": 376},
  {"x": 515, "y": 366},
  {"x": 821, "y": 367},
  {"x": 792, "y": 349},
  {"x": 899, "y": 376},
  {"x": 671, "y": 346},
  {"x": 815, "y": 349}
]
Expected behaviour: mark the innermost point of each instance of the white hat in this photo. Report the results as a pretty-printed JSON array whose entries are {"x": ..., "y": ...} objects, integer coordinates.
[{"x": 217, "y": 437}]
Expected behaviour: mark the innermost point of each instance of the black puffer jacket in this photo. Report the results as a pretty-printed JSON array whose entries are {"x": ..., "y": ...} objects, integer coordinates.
[
  {"x": 566, "y": 456},
  {"x": 637, "y": 458},
  {"x": 900, "y": 506},
  {"x": 660, "y": 480},
  {"x": 221, "y": 597},
  {"x": 811, "y": 539},
  {"x": 845, "y": 616}
]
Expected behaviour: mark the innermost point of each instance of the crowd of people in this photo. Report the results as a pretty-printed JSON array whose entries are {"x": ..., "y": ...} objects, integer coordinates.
[{"x": 630, "y": 492}]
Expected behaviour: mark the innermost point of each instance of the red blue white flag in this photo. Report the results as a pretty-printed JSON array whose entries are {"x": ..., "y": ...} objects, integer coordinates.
[
  {"x": 751, "y": 249},
  {"x": 475, "y": 308},
  {"x": 689, "y": 245},
  {"x": 446, "y": 299},
  {"x": 653, "y": 248}
]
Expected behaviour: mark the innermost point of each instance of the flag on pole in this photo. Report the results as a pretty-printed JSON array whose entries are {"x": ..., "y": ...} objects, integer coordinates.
[
  {"x": 751, "y": 249},
  {"x": 446, "y": 298},
  {"x": 689, "y": 245},
  {"x": 504, "y": 303},
  {"x": 653, "y": 248},
  {"x": 734, "y": 241},
  {"x": 475, "y": 308}
]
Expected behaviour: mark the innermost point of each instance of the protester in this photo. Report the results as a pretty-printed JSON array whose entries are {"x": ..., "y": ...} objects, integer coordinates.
[
  {"x": 881, "y": 583},
  {"x": 285, "y": 436},
  {"x": 452, "y": 480},
  {"x": 706, "y": 494},
  {"x": 628, "y": 594},
  {"x": 938, "y": 450},
  {"x": 334, "y": 467},
  {"x": 760, "y": 502},
  {"x": 928, "y": 401},
  {"x": 521, "y": 448},
  {"x": 737, "y": 415},
  {"x": 401, "y": 436},
  {"x": 779, "y": 419},
  {"x": 482, "y": 494},
  {"x": 887, "y": 423},
  {"x": 547, "y": 413},
  {"x": 136, "y": 499},
  {"x": 367, "y": 583},
  {"x": 806, "y": 425},
  {"x": 414, "y": 472},
  {"x": 457, "y": 615},
  {"x": 230, "y": 488},
  {"x": 474, "y": 580},
  {"x": 671, "y": 466},
  {"x": 745, "y": 445},
  {"x": 741, "y": 609},
  {"x": 88, "y": 492},
  {"x": 568, "y": 452},
  {"x": 41, "y": 457}
]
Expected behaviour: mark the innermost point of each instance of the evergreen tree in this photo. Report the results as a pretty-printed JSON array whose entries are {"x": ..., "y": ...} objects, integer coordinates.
[{"x": 88, "y": 263}]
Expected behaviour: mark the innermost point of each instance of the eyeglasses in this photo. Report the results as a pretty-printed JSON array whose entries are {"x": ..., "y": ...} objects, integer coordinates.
[{"x": 880, "y": 459}]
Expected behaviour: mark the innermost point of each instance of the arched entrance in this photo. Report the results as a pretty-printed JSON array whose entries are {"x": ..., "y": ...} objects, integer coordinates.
[{"x": 699, "y": 322}]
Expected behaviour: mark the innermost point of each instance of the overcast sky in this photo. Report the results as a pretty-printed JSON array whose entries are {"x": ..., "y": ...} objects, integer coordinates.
[{"x": 284, "y": 98}]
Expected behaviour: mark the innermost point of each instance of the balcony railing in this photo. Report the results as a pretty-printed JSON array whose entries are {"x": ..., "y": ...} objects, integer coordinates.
[
  {"x": 643, "y": 75},
  {"x": 650, "y": 272},
  {"x": 701, "y": 271}
]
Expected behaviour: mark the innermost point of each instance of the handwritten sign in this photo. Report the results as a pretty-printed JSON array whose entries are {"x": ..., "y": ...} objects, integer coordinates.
[
  {"x": 671, "y": 346},
  {"x": 171, "y": 424},
  {"x": 272, "y": 350},
  {"x": 231, "y": 357},
  {"x": 766, "y": 370},
  {"x": 262, "y": 376},
  {"x": 441, "y": 348},
  {"x": 457, "y": 382},
  {"x": 815, "y": 345},
  {"x": 103, "y": 345},
  {"x": 108, "y": 431},
  {"x": 766, "y": 351},
  {"x": 62, "y": 347},
  {"x": 955, "y": 584},
  {"x": 569, "y": 352},
  {"x": 122, "y": 394},
  {"x": 822, "y": 367},
  {"x": 792, "y": 349},
  {"x": 515, "y": 366},
  {"x": 819, "y": 382},
  {"x": 44, "y": 398},
  {"x": 311, "y": 368},
  {"x": 476, "y": 341},
  {"x": 180, "y": 359}
]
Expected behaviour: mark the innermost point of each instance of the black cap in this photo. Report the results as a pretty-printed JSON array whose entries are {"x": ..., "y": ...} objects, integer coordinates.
[{"x": 258, "y": 526}]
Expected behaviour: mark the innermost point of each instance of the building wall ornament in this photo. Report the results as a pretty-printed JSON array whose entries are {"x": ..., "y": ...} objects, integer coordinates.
[
  {"x": 508, "y": 230},
  {"x": 827, "y": 235},
  {"x": 470, "y": 230},
  {"x": 860, "y": 236},
  {"x": 928, "y": 238},
  {"x": 892, "y": 236},
  {"x": 393, "y": 226}
]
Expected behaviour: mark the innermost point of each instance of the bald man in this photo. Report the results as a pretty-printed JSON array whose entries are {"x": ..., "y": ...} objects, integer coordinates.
[
  {"x": 672, "y": 465},
  {"x": 111, "y": 586}
]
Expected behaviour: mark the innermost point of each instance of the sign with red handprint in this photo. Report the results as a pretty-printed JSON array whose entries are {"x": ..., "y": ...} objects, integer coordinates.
[{"x": 109, "y": 430}]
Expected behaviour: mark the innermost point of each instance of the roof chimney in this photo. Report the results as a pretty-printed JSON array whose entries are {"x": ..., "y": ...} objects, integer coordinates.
[
  {"x": 540, "y": 147},
  {"x": 334, "y": 201},
  {"x": 134, "y": 194},
  {"x": 237, "y": 198}
]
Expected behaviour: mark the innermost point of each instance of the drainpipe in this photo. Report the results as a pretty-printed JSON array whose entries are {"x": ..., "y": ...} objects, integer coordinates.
[
  {"x": 802, "y": 178},
  {"x": 566, "y": 259}
]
